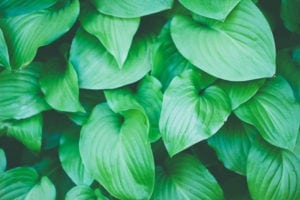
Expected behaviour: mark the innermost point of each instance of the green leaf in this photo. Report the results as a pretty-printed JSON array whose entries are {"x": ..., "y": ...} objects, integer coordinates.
[
  {"x": 17, "y": 182},
  {"x": 217, "y": 9},
  {"x": 184, "y": 177},
  {"x": 103, "y": 71},
  {"x": 4, "y": 57},
  {"x": 239, "y": 49},
  {"x": 232, "y": 144},
  {"x": 18, "y": 7},
  {"x": 274, "y": 112},
  {"x": 2, "y": 161},
  {"x": 24, "y": 34},
  {"x": 273, "y": 173},
  {"x": 20, "y": 93},
  {"x": 83, "y": 192},
  {"x": 43, "y": 190},
  {"x": 70, "y": 159},
  {"x": 192, "y": 110},
  {"x": 116, "y": 34},
  {"x": 131, "y": 8},
  {"x": 290, "y": 15},
  {"x": 28, "y": 131},
  {"x": 125, "y": 168},
  {"x": 60, "y": 87}
]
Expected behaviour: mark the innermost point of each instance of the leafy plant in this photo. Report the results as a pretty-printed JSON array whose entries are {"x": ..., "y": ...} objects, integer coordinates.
[{"x": 155, "y": 99}]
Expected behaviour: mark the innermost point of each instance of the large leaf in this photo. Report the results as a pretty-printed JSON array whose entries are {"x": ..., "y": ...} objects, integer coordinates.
[
  {"x": 192, "y": 110},
  {"x": 290, "y": 15},
  {"x": 70, "y": 159},
  {"x": 24, "y": 34},
  {"x": 2, "y": 160},
  {"x": 43, "y": 190},
  {"x": 217, "y": 9},
  {"x": 232, "y": 144},
  {"x": 28, "y": 131},
  {"x": 274, "y": 112},
  {"x": 83, "y": 192},
  {"x": 273, "y": 173},
  {"x": 184, "y": 177},
  {"x": 60, "y": 86},
  {"x": 97, "y": 69},
  {"x": 20, "y": 93},
  {"x": 18, "y": 7},
  {"x": 116, "y": 34},
  {"x": 240, "y": 48},
  {"x": 131, "y": 8},
  {"x": 115, "y": 149}
]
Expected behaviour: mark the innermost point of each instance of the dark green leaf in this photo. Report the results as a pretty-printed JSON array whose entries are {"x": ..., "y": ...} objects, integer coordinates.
[
  {"x": 290, "y": 15},
  {"x": 2, "y": 161}
]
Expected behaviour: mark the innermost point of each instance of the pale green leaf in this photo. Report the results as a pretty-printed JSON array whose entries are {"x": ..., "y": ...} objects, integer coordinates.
[
  {"x": 115, "y": 149},
  {"x": 2, "y": 160},
  {"x": 131, "y": 8},
  {"x": 21, "y": 96},
  {"x": 60, "y": 86},
  {"x": 216, "y": 9},
  {"x": 232, "y": 144},
  {"x": 43, "y": 190},
  {"x": 116, "y": 34},
  {"x": 70, "y": 159},
  {"x": 273, "y": 173},
  {"x": 4, "y": 57},
  {"x": 83, "y": 192},
  {"x": 24, "y": 34},
  {"x": 290, "y": 15},
  {"x": 185, "y": 177},
  {"x": 97, "y": 68},
  {"x": 274, "y": 112},
  {"x": 17, "y": 182},
  {"x": 240, "y": 48},
  {"x": 192, "y": 110}
]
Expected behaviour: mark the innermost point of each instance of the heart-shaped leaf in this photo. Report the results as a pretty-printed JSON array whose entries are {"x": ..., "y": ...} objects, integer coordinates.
[
  {"x": 274, "y": 112},
  {"x": 83, "y": 192},
  {"x": 131, "y": 8},
  {"x": 185, "y": 177},
  {"x": 192, "y": 110},
  {"x": 240, "y": 48},
  {"x": 97, "y": 69},
  {"x": 24, "y": 34}
]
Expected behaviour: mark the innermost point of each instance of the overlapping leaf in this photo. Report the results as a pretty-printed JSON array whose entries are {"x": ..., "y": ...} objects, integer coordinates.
[
  {"x": 240, "y": 48},
  {"x": 42, "y": 190},
  {"x": 290, "y": 15},
  {"x": 83, "y": 192},
  {"x": 3, "y": 161}
]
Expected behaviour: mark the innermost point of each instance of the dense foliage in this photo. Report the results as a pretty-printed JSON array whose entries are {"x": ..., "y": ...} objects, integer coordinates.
[{"x": 152, "y": 99}]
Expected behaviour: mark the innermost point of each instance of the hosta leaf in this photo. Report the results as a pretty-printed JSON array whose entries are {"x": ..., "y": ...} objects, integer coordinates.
[
  {"x": 192, "y": 110},
  {"x": 2, "y": 160},
  {"x": 131, "y": 8},
  {"x": 60, "y": 86},
  {"x": 24, "y": 34},
  {"x": 115, "y": 149},
  {"x": 18, "y": 7},
  {"x": 20, "y": 93},
  {"x": 184, "y": 177},
  {"x": 274, "y": 112},
  {"x": 17, "y": 182},
  {"x": 28, "y": 131},
  {"x": 83, "y": 192},
  {"x": 273, "y": 173},
  {"x": 97, "y": 69},
  {"x": 240, "y": 48},
  {"x": 70, "y": 157},
  {"x": 290, "y": 15},
  {"x": 116, "y": 34},
  {"x": 4, "y": 57},
  {"x": 42, "y": 190},
  {"x": 217, "y": 9},
  {"x": 232, "y": 144},
  {"x": 240, "y": 92}
]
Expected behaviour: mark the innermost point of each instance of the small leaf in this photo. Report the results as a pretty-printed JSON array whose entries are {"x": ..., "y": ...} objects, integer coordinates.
[
  {"x": 131, "y": 8},
  {"x": 192, "y": 110},
  {"x": 103, "y": 71},
  {"x": 239, "y": 49},
  {"x": 43, "y": 190},
  {"x": 4, "y": 57},
  {"x": 24, "y": 34},
  {"x": 70, "y": 159},
  {"x": 217, "y": 9},
  {"x": 60, "y": 87},
  {"x": 20, "y": 93},
  {"x": 124, "y": 168},
  {"x": 2, "y": 161},
  {"x": 83, "y": 192},
  {"x": 116, "y": 34},
  {"x": 274, "y": 112},
  {"x": 184, "y": 177},
  {"x": 290, "y": 15},
  {"x": 273, "y": 173}
]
